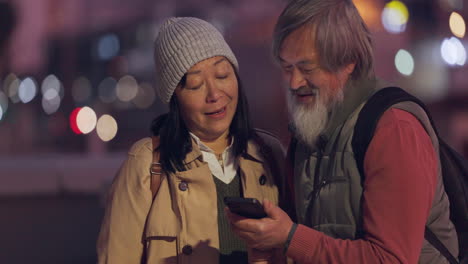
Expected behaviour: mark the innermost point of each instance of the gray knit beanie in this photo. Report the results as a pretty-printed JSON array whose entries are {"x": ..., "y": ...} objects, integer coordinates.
[{"x": 181, "y": 43}]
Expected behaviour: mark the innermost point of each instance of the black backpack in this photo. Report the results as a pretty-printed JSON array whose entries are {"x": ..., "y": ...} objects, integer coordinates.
[{"x": 454, "y": 166}]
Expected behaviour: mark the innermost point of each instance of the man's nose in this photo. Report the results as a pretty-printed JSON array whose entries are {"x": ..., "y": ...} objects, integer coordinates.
[{"x": 296, "y": 80}]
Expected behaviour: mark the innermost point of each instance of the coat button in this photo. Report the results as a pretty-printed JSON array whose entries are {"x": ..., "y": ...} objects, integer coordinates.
[
  {"x": 187, "y": 250},
  {"x": 183, "y": 186},
  {"x": 262, "y": 180}
]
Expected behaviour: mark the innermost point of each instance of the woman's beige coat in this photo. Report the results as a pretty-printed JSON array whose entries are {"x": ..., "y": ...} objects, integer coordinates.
[{"x": 181, "y": 224}]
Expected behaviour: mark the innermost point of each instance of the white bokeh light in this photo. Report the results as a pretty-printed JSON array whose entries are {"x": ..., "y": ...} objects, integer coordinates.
[
  {"x": 52, "y": 82},
  {"x": 106, "y": 128},
  {"x": 51, "y": 101},
  {"x": 404, "y": 62},
  {"x": 3, "y": 102},
  {"x": 27, "y": 90},
  {"x": 453, "y": 52},
  {"x": 86, "y": 120},
  {"x": 127, "y": 88},
  {"x": 395, "y": 16}
]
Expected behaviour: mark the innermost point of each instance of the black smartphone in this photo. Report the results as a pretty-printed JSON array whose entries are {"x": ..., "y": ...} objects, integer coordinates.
[{"x": 246, "y": 207}]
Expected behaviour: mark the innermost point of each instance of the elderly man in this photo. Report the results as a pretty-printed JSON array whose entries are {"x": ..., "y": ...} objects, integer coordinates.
[{"x": 325, "y": 52}]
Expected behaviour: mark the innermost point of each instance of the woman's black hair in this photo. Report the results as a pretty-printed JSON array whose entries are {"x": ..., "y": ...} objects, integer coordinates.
[{"x": 174, "y": 137}]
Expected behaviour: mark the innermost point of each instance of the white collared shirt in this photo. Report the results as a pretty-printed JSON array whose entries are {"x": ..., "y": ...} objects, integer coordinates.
[{"x": 227, "y": 174}]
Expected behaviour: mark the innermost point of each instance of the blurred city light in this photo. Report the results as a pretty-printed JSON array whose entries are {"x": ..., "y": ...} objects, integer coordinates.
[
  {"x": 455, "y": 4},
  {"x": 73, "y": 122},
  {"x": 457, "y": 25},
  {"x": 404, "y": 62},
  {"x": 7, "y": 82},
  {"x": 86, "y": 120},
  {"x": 52, "y": 82},
  {"x": 453, "y": 52},
  {"x": 370, "y": 12},
  {"x": 106, "y": 128},
  {"x": 145, "y": 96},
  {"x": 395, "y": 17},
  {"x": 3, "y": 102},
  {"x": 106, "y": 90},
  {"x": 81, "y": 90},
  {"x": 27, "y": 90},
  {"x": 51, "y": 101},
  {"x": 108, "y": 46},
  {"x": 127, "y": 88},
  {"x": 13, "y": 88}
]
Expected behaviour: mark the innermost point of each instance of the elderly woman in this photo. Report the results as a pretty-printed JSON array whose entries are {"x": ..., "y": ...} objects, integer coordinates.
[{"x": 207, "y": 151}]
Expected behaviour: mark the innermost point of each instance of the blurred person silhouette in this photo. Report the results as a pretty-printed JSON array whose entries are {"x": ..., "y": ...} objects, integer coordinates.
[
  {"x": 341, "y": 212},
  {"x": 207, "y": 150},
  {"x": 7, "y": 26}
]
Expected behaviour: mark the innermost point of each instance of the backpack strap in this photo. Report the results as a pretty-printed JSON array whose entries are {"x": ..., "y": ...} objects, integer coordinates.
[
  {"x": 364, "y": 131},
  {"x": 370, "y": 116},
  {"x": 155, "y": 169}
]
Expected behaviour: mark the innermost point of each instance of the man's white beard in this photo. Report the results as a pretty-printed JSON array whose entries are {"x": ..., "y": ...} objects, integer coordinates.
[{"x": 311, "y": 120}]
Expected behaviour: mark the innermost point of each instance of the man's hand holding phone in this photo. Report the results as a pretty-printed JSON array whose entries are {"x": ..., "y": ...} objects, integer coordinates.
[{"x": 266, "y": 233}]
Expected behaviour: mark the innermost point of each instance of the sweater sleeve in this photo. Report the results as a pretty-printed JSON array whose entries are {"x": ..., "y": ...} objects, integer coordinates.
[{"x": 401, "y": 175}]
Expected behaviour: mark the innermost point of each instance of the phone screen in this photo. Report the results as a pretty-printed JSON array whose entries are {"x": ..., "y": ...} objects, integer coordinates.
[{"x": 246, "y": 207}]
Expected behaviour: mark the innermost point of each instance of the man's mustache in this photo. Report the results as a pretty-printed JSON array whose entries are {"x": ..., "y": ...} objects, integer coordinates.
[{"x": 305, "y": 90}]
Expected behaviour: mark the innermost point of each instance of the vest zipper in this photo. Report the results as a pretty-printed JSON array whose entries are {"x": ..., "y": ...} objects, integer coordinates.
[{"x": 317, "y": 184}]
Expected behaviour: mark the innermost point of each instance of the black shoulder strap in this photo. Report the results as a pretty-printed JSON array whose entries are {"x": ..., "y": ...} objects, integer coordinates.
[
  {"x": 370, "y": 115},
  {"x": 364, "y": 132}
]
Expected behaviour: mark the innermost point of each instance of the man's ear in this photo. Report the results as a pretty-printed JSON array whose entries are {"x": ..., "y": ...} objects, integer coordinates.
[{"x": 349, "y": 68}]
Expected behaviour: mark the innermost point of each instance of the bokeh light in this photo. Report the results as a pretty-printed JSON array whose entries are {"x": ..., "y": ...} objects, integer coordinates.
[
  {"x": 13, "y": 88},
  {"x": 395, "y": 16},
  {"x": 52, "y": 82},
  {"x": 86, "y": 120},
  {"x": 108, "y": 46},
  {"x": 51, "y": 101},
  {"x": 106, "y": 90},
  {"x": 145, "y": 96},
  {"x": 127, "y": 88},
  {"x": 106, "y": 128},
  {"x": 404, "y": 62},
  {"x": 7, "y": 83},
  {"x": 73, "y": 122},
  {"x": 81, "y": 90},
  {"x": 453, "y": 52},
  {"x": 457, "y": 25},
  {"x": 3, "y": 102},
  {"x": 27, "y": 90}
]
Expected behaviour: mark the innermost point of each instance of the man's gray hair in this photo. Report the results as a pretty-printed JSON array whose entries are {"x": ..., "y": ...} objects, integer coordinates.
[{"x": 341, "y": 36}]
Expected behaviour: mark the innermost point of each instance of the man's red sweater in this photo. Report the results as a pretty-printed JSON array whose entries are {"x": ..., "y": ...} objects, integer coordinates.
[{"x": 401, "y": 177}]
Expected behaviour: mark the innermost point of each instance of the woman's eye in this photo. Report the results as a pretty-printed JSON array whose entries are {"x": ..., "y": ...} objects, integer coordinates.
[
  {"x": 193, "y": 87},
  {"x": 222, "y": 77}
]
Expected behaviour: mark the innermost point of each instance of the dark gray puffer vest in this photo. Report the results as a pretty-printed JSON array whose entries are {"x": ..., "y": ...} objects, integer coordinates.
[{"x": 328, "y": 185}]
